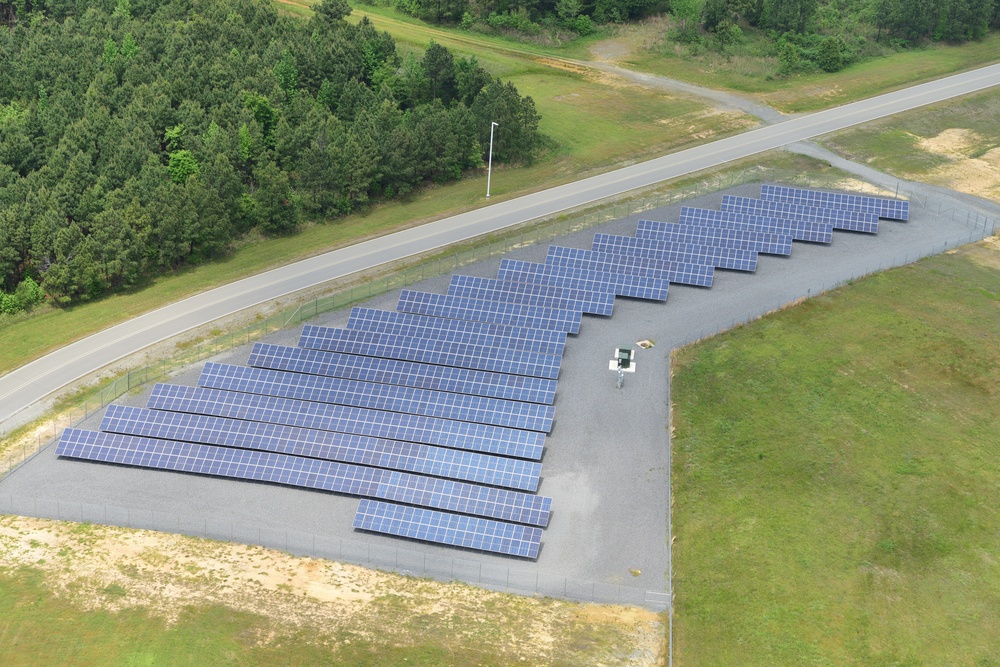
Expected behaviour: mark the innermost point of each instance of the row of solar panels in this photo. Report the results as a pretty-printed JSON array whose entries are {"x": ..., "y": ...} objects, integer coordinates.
[{"x": 436, "y": 414}]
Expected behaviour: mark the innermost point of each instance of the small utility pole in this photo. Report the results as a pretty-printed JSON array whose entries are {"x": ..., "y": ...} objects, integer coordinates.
[{"x": 489, "y": 169}]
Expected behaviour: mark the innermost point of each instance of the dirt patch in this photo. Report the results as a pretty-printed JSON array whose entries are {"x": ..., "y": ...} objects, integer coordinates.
[
  {"x": 985, "y": 253},
  {"x": 101, "y": 567},
  {"x": 969, "y": 168},
  {"x": 610, "y": 50},
  {"x": 955, "y": 143}
]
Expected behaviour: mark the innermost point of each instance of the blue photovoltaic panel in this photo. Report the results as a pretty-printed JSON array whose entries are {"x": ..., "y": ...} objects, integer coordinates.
[
  {"x": 844, "y": 219},
  {"x": 883, "y": 207},
  {"x": 343, "y": 447},
  {"x": 340, "y": 391},
  {"x": 430, "y": 351},
  {"x": 451, "y": 529},
  {"x": 721, "y": 258},
  {"x": 445, "y": 494},
  {"x": 764, "y": 242},
  {"x": 535, "y": 294},
  {"x": 442, "y": 305},
  {"x": 639, "y": 287},
  {"x": 676, "y": 272},
  {"x": 394, "y": 322},
  {"x": 404, "y": 373},
  {"x": 800, "y": 230},
  {"x": 360, "y": 421}
]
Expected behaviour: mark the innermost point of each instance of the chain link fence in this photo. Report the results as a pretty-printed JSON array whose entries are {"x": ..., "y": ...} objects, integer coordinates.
[{"x": 411, "y": 272}]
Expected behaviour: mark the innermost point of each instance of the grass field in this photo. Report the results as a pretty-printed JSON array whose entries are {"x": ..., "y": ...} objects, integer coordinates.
[
  {"x": 951, "y": 144},
  {"x": 752, "y": 75},
  {"x": 83, "y": 594},
  {"x": 837, "y": 477}
]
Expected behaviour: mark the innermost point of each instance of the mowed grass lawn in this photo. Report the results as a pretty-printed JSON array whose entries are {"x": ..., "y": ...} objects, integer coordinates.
[{"x": 837, "y": 477}]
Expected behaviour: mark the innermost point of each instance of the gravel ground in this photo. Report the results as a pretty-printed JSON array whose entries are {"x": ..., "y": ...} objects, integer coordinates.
[{"x": 606, "y": 463}]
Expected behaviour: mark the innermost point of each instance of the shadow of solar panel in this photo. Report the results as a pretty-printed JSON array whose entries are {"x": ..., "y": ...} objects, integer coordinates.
[
  {"x": 430, "y": 351},
  {"x": 360, "y": 421},
  {"x": 721, "y": 258},
  {"x": 620, "y": 284},
  {"x": 843, "y": 219},
  {"x": 298, "y": 471},
  {"x": 451, "y": 529},
  {"x": 676, "y": 272},
  {"x": 442, "y": 305},
  {"x": 536, "y": 294},
  {"x": 545, "y": 341},
  {"x": 883, "y": 207},
  {"x": 743, "y": 239},
  {"x": 340, "y": 391},
  {"x": 800, "y": 230},
  {"x": 327, "y": 445},
  {"x": 404, "y": 373}
]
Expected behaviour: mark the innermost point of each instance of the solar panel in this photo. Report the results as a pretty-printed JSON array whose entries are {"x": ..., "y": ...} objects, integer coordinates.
[
  {"x": 800, "y": 230},
  {"x": 844, "y": 219},
  {"x": 360, "y": 421},
  {"x": 535, "y": 294},
  {"x": 442, "y": 305},
  {"x": 409, "y": 400},
  {"x": 883, "y": 207},
  {"x": 299, "y": 471},
  {"x": 676, "y": 272},
  {"x": 429, "y": 351},
  {"x": 620, "y": 284},
  {"x": 311, "y": 443},
  {"x": 721, "y": 258},
  {"x": 404, "y": 373},
  {"x": 764, "y": 242},
  {"x": 394, "y": 322},
  {"x": 452, "y": 529}
]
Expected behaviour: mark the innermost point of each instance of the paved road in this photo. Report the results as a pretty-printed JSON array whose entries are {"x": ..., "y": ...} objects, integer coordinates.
[{"x": 36, "y": 380}]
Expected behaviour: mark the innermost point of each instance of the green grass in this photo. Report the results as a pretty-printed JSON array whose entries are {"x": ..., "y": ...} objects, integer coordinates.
[
  {"x": 892, "y": 144},
  {"x": 837, "y": 477},
  {"x": 38, "y": 629},
  {"x": 810, "y": 92}
]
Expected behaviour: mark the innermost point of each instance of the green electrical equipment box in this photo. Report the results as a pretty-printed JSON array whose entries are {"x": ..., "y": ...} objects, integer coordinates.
[{"x": 624, "y": 357}]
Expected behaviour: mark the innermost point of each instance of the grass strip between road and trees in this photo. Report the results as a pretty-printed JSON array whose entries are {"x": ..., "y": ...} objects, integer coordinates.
[{"x": 835, "y": 476}]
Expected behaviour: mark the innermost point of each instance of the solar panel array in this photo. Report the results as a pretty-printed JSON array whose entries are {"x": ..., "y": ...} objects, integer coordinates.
[
  {"x": 799, "y": 230},
  {"x": 883, "y": 207},
  {"x": 435, "y": 414},
  {"x": 408, "y": 374},
  {"x": 847, "y": 220},
  {"x": 763, "y": 242},
  {"x": 713, "y": 255},
  {"x": 589, "y": 302},
  {"x": 311, "y": 443}
]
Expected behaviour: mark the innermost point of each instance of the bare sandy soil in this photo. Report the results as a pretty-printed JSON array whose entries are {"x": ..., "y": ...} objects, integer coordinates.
[
  {"x": 965, "y": 170},
  {"x": 165, "y": 573}
]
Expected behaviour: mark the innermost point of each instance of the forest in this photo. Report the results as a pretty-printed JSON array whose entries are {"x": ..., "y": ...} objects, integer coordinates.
[{"x": 139, "y": 136}]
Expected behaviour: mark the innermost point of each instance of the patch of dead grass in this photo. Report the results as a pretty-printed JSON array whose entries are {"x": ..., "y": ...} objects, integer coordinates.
[{"x": 108, "y": 568}]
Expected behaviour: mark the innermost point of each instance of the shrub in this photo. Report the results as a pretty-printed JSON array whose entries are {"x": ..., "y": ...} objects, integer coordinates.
[
  {"x": 9, "y": 305},
  {"x": 29, "y": 294}
]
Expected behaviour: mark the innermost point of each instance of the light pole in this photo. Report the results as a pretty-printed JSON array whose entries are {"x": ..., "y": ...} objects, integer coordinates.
[{"x": 489, "y": 169}]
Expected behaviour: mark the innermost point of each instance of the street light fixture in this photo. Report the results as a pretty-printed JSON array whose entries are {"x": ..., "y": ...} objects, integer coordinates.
[{"x": 489, "y": 169}]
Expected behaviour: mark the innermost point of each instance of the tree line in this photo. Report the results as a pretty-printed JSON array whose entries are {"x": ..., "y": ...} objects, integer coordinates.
[{"x": 137, "y": 136}]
